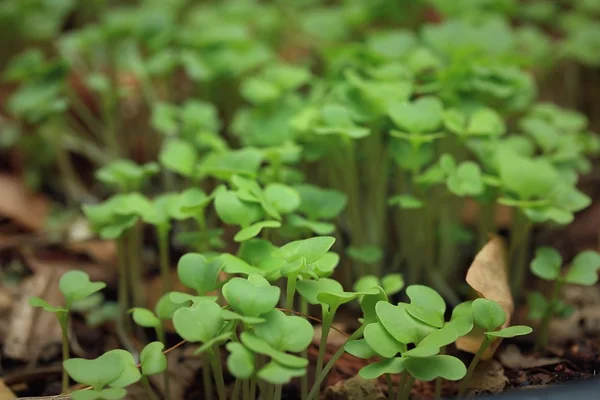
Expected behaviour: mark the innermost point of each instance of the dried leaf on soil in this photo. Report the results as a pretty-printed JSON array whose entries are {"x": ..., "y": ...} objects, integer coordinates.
[
  {"x": 26, "y": 209},
  {"x": 489, "y": 278},
  {"x": 511, "y": 357},
  {"x": 5, "y": 392}
]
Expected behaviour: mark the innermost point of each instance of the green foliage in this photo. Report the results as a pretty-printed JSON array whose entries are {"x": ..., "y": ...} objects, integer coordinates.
[
  {"x": 251, "y": 297},
  {"x": 152, "y": 359},
  {"x": 115, "y": 368}
]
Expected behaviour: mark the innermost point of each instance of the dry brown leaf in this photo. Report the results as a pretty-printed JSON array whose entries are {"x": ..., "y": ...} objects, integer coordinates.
[
  {"x": 31, "y": 329},
  {"x": 18, "y": 203},
  {"x": 488, "y": 377},
  {"x": 489, "y": 278},
  {"x": 511, "y": 357},
  {"x": 5, "y": 392}
]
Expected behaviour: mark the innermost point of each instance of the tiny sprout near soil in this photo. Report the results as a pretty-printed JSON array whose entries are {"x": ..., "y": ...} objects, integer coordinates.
[
  {"x": 489, "y": 316},
  {"x": 547, "y": 265},
  {"x": 74, "y": 286}
]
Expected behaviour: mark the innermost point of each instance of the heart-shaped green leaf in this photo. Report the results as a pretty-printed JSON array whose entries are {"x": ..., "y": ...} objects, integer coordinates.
[
  {"x": 179, "y": 156},
  {"x": 76, "y": 285},
  {"x": 104, "y": 394},
  {"x": 240, "y": 361},
  {"x": 235, "y": 265},
  {"x": 233, "y": 211},
  {"x": 399, "y": 323},
  {"x": 430, "y": 368},
  {"x": 130, "y": 373},
  {"x": 381, "y": 341},
  {"x": 310, "y": 249},
  {"x": 278, "y": 374},
  {"x": 584, "y": 269},
  {"x": 310, "y": 289},
  {"x": 284, "y": 198},
  {"x": 424, "y": 115},
  {"x": 152, "y": 359},
  {"x": 96, "y": 373},
  {"x": 285, "y": 332},
  {"x": 199, "y": 274},
  {"x": 466, "y": 180},
  {"x": 165, "y": 307},
  {"x": 199, "y": 323},
  {"x": 251, "y": 297},
  {"x": 376, "y": 369},
  {"x": 359, "y": 348},
  {"x": 547, "y": 263}
]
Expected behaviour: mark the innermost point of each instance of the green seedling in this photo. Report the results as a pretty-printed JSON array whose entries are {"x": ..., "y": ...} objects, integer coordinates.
[
  {"x": 489, "y": 316},
  {"x": 391, "y": 283},
  {"x": 125, "y": 175},
  {"x": 317, "y": 206},
  {"x": 547, "y": 265},
  {"x": 75, "y": 286},
  {"x": 389, "y": 330},
  {"x": 107, "y": 375}
]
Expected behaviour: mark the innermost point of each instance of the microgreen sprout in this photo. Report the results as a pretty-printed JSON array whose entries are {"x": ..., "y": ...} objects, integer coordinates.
[
  {"x": 489, "y": 316},
  {"x": 75, "y": 286},
  {"x": 546, "y": 265}
]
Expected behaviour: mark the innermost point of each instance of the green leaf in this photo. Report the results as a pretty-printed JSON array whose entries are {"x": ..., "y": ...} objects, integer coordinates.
[
  {"x": 423, "y": 115},
  {"x": 76, "y": 285},
  {"x": 235, "y": 265},
  {"x": 511, "y": 331},
  {"x": 261, "y": 346},
  {"x": 432, "y": 343},
  {"x": 310, "y": 289},
  {"x": 466, "y": 180},
  {"x": 382, "y": 343},
  {"x": 152, "y": 359},
  {"x": 217, "y": 340},
  {"x": 318, "y": 203},
  {"x": 365, "y": 254},
  {"x": 233, "y": 211},
  {"x": 251, "y": 297},
  {"x": 229, "y": 315},
  {"x": 325, "y": 265},
  {"x": 186, "y": 298},
  {"x": 366, "y": 282},
  {"x": 223, "y": 165},
  {"x": 584, "y": 269},
  {"x": 547, "y": 263},
  {"x": 254, "y": 229},
  {"x": 316, "y": 227},
  {"x": 179, "y": 156},
  {"x": 528, "y": 178},
  {"x": 359, "y": 348},
  {"x": 392, "y": 283},
  {"x": 38, "y": 302},
  {"x": 165, "y": 307},
  {"x": 240, "y": 361},
  {"x": 278, "y": 374},
  {"x": 376, "y": 369},
  {"x": 130, "y": 373},
  {"x": 285, "y": 332},
  {"x": 144, "y": 317},
  {"x": 104, "y": 394},
  {"x": 284, "y": 198},
  {"x": 462, "y": 319},
  {"x": 368, "y": 304},
  {"x": 430, "y": 368},
  {"x": 310, "y": 249},
  {"x": 406, "y": 202},
  {"x": 197, "y": 273},
  {"x": 426, "y": 305},
  {"x": 199, "y": 323},
  {"x": 488, "y": 314}
]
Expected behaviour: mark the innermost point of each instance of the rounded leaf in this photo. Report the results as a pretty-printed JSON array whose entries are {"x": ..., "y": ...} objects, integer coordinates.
[
  {"x": 285, "y": 332},
  {"x": 310, "y": 289},
  {"x": 547, "y": 263},
  {"x": 376, "y": 369},
  {"x": 438, "y": 366},
  {"x": 152, "y": 359},
  {"x": 584, "y": 269},
  {"x": 197, "y": 273},
  {"x": 359, "y": 348},
  {"x": 488, "y": 314},
  {"x": 284, "y": 198},
  {"x": 511, "y": 331},
  {"x": 381, "y": 341},
  {"x": 199, "y": 323},
  {"x": 254, "y": 229},
  {"x": 144, "y": 317},
  {"x": 233, "y": 211},
  {"x": 76, "y": 285},
  {"x": 251, "y": 297},
  {"x": 240, "y": 361},
  {"x": 310, "y": 249}
]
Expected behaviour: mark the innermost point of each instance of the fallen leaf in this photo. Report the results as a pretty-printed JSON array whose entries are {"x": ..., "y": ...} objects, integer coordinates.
[
  {"x": 488, "y": 277},
  {"x": 18, "y": 203},
  {"x": 488, "y": 377},
  {"x": 5, "y": 392},
  {"x": 511, "y": 357},
  {"x": 31, "y": 329}
]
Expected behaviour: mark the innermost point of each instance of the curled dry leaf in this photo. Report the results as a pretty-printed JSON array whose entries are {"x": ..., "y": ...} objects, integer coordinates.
[
  {"x": 26, "y": 209},
  {"x": 489, "y": 278},
  {"x": 511, "y": 357}
]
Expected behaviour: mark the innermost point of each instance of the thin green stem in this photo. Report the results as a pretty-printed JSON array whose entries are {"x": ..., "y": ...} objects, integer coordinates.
[
  {"x": 402, "y": 385},
  {"x": 542, "y": 339},
  {"x": 519, "y": 246},
  {"x": 135, "y": 249},
  {"x": 408, "y": 387},
  {"x": 390, "y": 386},
  {"x": 206, "y": 380},
  {"x": 277, "y": 392},
  {"x": 236, "y": 388},
  {"x": 148, "y": 388},
  {"x": 438, "y": 381},
  {"x": 163, "y": 253},
  {"x": 123, "y": 284},
  {"x": 319, "y": 378},
  {"x": 304, "y": 354},
  {"x": 290, "y": 291},
  {"x": 217, "y": 369},
  {"x": 325, "y": 328},
  {"x": 63, "y": 320},
  {"x": 464, "y": 384}
]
